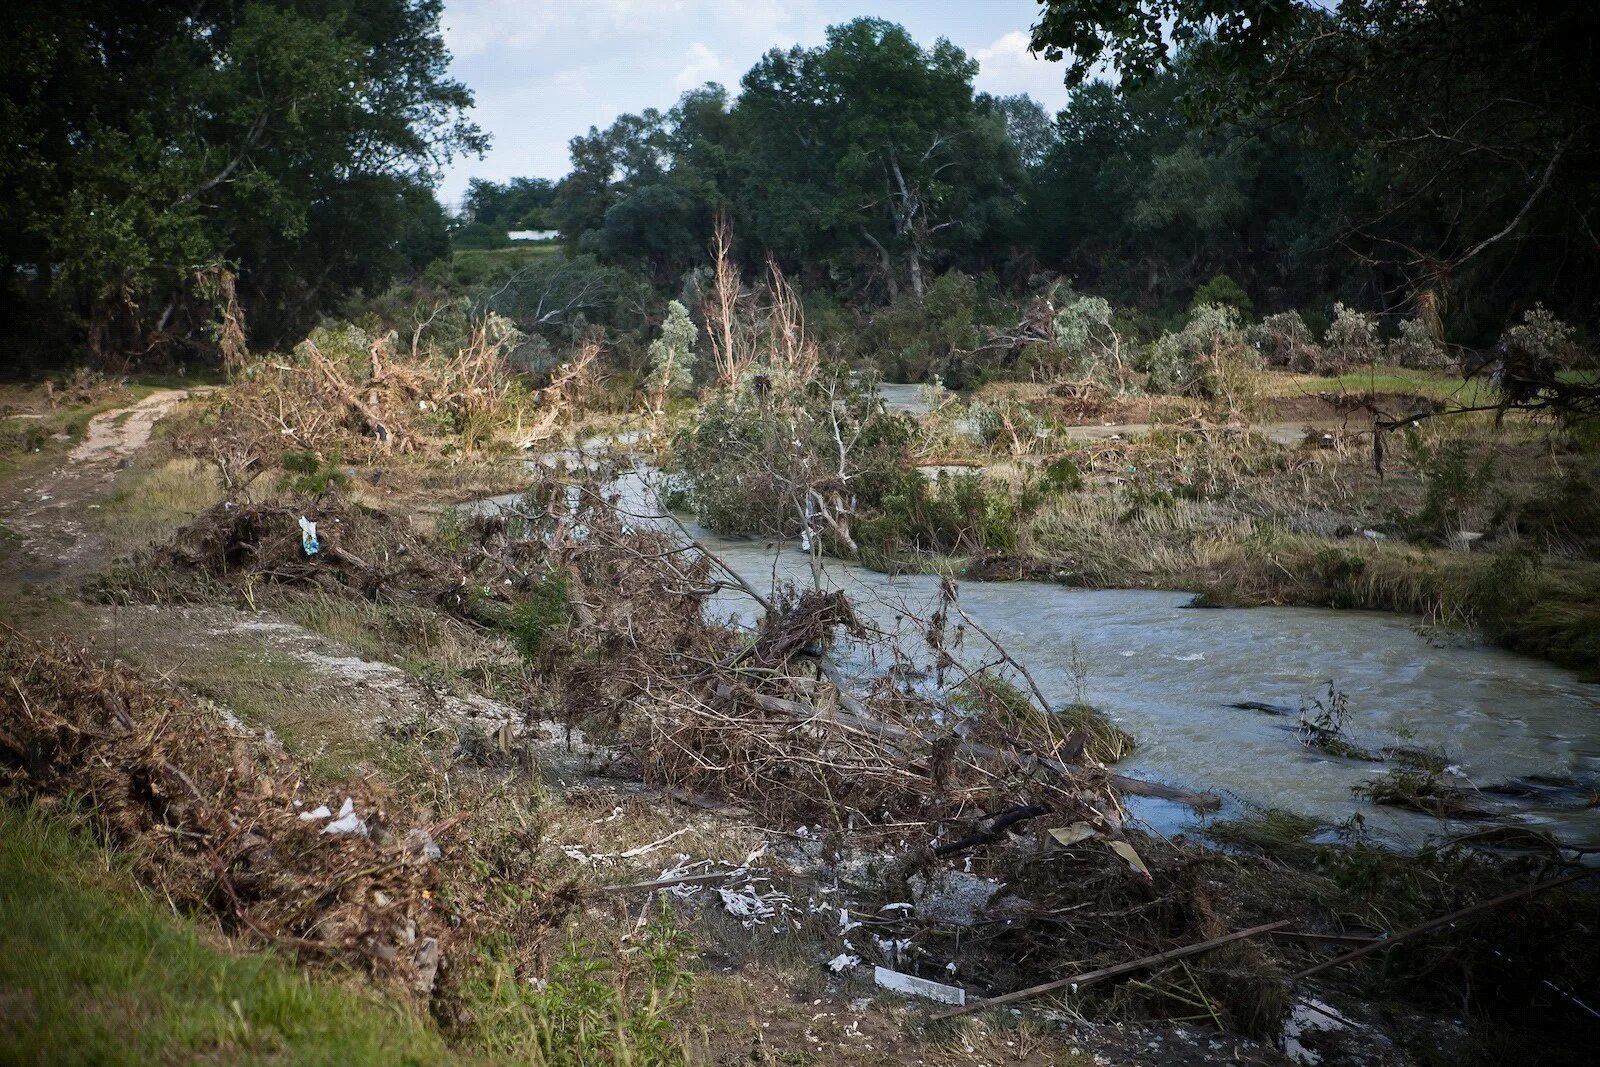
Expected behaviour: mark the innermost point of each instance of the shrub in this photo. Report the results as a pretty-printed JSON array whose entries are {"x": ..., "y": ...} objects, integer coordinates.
[
  {"x": 1453, "y": 485},
  {"x": 1284, "y": 340},
  {"x": 1088, "y": 345},
  {"x": 1417, "y": 348},
  {"x": 1223, "y": 291},
  {"x": 753, "y": 455},
  {"x": 1209, "y": 357},
  {"x": 1352, "y": 340},
  {"x": 546, "y": 609},
  {"x": 949, "y": 514},
  {"x": 672, "y": 355}
]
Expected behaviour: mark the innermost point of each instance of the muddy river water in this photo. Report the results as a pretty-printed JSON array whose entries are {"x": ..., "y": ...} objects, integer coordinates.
[{"x": 1168, "y": 674}]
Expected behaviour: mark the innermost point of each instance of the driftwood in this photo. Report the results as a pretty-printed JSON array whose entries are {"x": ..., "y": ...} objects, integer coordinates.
[
  {"x": 1441, "y": 921},
  {"x": 856, "y": 714},
  {"x": 1079, "y": 980}
]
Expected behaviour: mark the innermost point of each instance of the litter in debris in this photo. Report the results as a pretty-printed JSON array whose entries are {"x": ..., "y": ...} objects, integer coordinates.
[
  {"x": 419, "y": 840},
  {"x": 308, "y": 536},
  {"x": 912, "y": 986},
  {"x": 843, "y": 962},
  {"x": 319, "y": 812},
  {"x": 348, "y": 821},
  {"x": 1066, "y": 836}
]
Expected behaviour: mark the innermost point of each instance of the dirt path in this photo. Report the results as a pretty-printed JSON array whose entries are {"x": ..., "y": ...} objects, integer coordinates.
[
  {"x": 47, "y": 508},
  {"x": 115, "y": 435}
]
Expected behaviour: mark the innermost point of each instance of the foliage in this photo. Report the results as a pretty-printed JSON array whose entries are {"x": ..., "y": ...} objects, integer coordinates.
[
  {"x": 542, "y": 611},
  {"x": 1352, "y": 340},
  {"x": 1209, "y": 357},
  {"x": 1223, "y": 290},
  {"x": 1083, "y": 333},
  {"x": 672, "y": 354},
  {"x": 756, "y": 454},
  {"x": 1373, "y": 82},
  {"x": 587, "y": 1011},
  {"x": 1285, "y": 340},
  {"x": 1455, "y": 482},
  {"x": 1417, "y": 347},
  {"x": 294, "y": 141},
  {"x": 946, "y": 515}
]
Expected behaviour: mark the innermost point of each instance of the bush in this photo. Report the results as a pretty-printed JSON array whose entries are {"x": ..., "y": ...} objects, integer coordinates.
[
  {"x": 913, "y": 340},
  {"x": 950, "y": 514},
  {"x": 1284, "y": 340},
  {"x": 752, "y": 456},
  {"x": 1352, "y": 340},
  {"x": 1087, "y": 345},
  {"x": 1209, "y": 357},
  {"x": 1417, "y": 348},
  {"x": 1223, "y": 291},
  {"x": 672, "y": 354}
]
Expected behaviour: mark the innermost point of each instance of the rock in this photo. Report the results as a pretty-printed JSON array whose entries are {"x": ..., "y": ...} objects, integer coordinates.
[{"x": 426, "y": 961}]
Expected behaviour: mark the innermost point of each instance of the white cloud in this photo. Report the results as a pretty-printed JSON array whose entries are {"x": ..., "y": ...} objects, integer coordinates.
[
  {"x": 700, "y": 65},
  {"x": 1006, "y": 67}
]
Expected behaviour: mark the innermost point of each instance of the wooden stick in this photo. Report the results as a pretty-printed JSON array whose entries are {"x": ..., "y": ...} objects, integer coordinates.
[
  {"x": 1443, "y": 920},
  {"x": 665, "y": 883},
  {"x": 1077, "y": 981}
]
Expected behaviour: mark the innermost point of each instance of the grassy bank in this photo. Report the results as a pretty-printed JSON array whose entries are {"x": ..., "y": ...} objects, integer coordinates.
[{"x": 94, "y": 970}]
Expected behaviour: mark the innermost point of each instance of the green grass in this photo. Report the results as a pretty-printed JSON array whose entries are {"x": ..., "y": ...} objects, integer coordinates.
[
  {"x": 1384, "y": 381},
  {"x": 92, "y": 970}
]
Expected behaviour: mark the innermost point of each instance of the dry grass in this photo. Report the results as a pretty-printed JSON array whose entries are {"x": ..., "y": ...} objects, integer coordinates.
[{"x": 150, "y": 502}]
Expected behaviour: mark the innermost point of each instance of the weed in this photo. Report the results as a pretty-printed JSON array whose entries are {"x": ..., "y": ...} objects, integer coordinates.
[
  {"x": 543, "y": 611},
  {"x": 1323, "y": 723},
  {"x": 587, "y": 1011}
]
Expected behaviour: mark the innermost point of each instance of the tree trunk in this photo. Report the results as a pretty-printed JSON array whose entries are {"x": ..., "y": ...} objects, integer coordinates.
[
  {"x": 888, "y": 266},
  {"x": 914, "y": 265}
]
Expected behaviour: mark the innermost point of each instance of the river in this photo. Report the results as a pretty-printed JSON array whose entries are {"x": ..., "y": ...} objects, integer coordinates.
[{"x": 1167, "y": 674}]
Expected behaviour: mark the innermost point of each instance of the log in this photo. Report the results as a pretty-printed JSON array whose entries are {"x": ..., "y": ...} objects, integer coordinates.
[{"x": 1078, "y": 980}]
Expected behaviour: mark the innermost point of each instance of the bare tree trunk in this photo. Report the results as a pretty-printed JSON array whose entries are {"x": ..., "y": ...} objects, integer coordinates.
[
  {"x": 914, "y": 264},
  {"x": 888, "y": 266}
]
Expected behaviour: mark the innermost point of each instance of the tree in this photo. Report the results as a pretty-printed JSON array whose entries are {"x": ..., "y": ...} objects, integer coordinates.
[
  {"x": 1474, "y": 121},
  {"x": 896, "y": 151},
  {"x": 672, "y": 356},
  {"x": 149, "y": 144}
]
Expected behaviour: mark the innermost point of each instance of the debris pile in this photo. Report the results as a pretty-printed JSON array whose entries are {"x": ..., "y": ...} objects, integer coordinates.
[
  {"x": 220, "y": 820},
  {"x": 956, "y": 822},
  {"x": 346, "y": 393}
]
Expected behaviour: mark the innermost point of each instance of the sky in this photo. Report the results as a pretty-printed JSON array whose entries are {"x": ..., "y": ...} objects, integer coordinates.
[{"x": 545, "y": 70}]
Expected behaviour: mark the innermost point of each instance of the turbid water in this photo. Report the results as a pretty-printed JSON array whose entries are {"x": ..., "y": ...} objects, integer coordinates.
[{"x": 1168, "y": 674}]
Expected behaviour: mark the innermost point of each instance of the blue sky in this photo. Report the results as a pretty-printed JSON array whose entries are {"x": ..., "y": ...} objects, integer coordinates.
[{"x": 544, "y": 70}]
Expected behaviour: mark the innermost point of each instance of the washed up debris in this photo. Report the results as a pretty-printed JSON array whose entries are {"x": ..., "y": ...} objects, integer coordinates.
[
  {"x": 1077, "y": 981},
  {"x": 843, "y": 962},
  {"x": 308, "y": 536},
  {"x": 1262, "y": 706},
  {"x": 1309, "y": 1016},
  {"x": 348, "y": 821},
  {"x": 421, "y": 842},
  {"x": 954, "y": 897},
  {"x": 751, "y": 906},
  {"x": 1127, "y": 852},
  {"x": 211, "y": 816},
  {"x": 912, "y": 986}
]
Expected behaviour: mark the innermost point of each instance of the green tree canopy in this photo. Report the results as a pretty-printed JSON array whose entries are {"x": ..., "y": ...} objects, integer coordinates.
[{"x": 150, "y": 143}]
